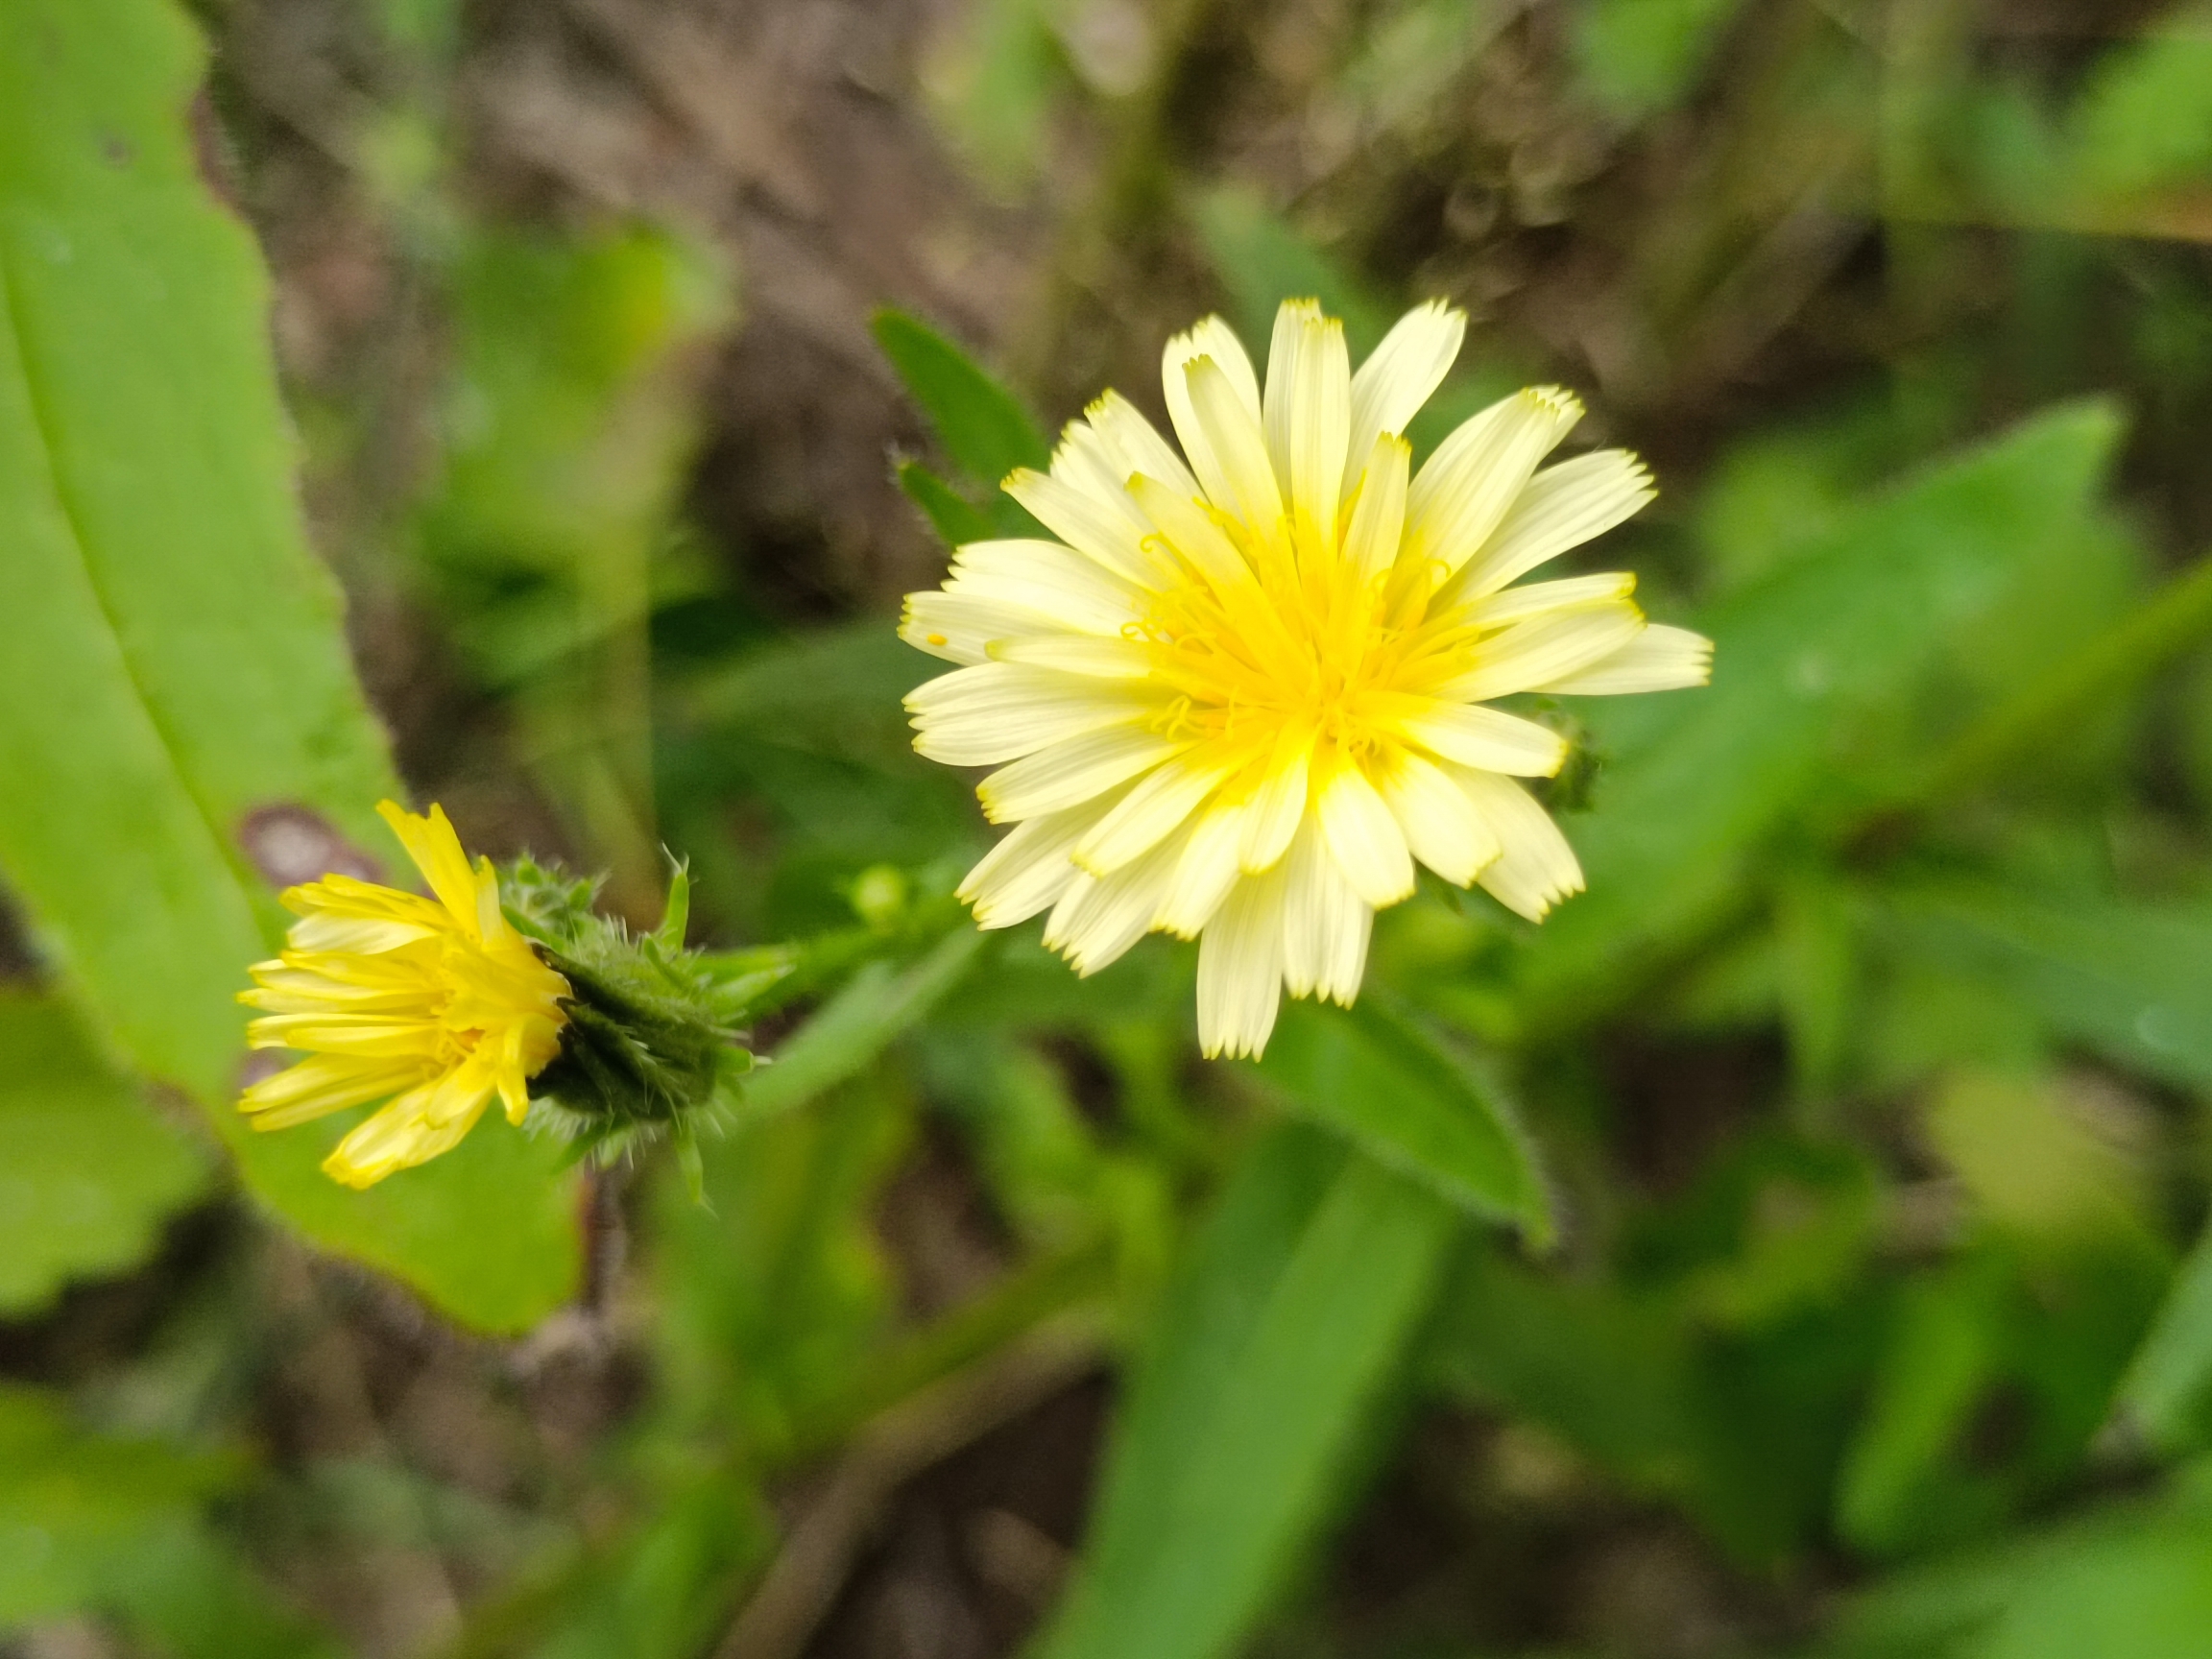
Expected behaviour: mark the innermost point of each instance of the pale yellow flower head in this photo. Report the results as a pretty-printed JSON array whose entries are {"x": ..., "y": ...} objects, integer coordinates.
[
  {"x": 437, "y": 1003},
  {"x": 1243, "y": 692}
]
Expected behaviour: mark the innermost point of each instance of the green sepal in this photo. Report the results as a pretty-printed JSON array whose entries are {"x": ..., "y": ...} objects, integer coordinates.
[{"x": 650, "y": 1036}]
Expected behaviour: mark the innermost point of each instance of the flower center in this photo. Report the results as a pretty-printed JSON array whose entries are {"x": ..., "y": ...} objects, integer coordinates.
[{"x": 1311, "y": 649}]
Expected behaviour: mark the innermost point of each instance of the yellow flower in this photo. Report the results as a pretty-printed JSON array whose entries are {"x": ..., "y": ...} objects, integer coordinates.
[
  {"x": 438, "y": 1002},
  {"x": 1243, "y": 692}
]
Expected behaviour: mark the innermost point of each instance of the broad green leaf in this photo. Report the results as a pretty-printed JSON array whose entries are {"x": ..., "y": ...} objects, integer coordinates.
[
  {"x": 89, "y": 1171},
  {"x": 94, "y": 1524},
  {"x": 2167, "y": 1394},
  {"x": 982, "y": 425},
  {"x": 1289, "y": 1314},
  {"x": 2128, "y": 980},
  {"x": 1379, "y": 1075},
  {"x": 1699, "y": 781},
  {"x": 849, "y": 1031},
  {"x": 177, "y": 662}
]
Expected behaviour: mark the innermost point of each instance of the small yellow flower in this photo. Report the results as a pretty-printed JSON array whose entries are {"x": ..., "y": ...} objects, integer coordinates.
[
  {"x": 1242, "y": 693},
  {"x": 439, "y": 1002}
]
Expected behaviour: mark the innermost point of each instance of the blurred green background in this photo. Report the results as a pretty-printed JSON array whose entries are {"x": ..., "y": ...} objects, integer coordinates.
[{"x": 1795, "y": 1249}]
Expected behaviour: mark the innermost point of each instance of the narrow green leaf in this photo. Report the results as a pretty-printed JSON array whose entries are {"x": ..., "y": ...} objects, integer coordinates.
[
  {"x": 177, "y": 662},
  {"x": 876, "y": 1006},
  {"x": 983, "y": 426},
  {"x": 1293, "y": 1309},
  {"x": 87, "y": 1168},
  {"x": 956, "y": 519},
  {"x": 2167, "y": 1394},
  {"x": 1381, "y": 1076}
]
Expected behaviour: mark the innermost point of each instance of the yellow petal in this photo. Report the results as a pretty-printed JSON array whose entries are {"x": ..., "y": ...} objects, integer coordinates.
[
  {"x": 1307, "y": 419},
  {"x": 430, "y": 841},
  {"x": 1404, "y": 370},
  {"x": 1468, "y": 486},
  {"x": 1326, "y": 923},
  {"x": 1363, "y": 838},
  {"x": 1241, "y": 968},
  {"x": 1659, "y": 659},
  {"x": 1070, "y": 773},
  {"x": 1486, "y": 739},
  {"x": 1440, "y": 824},
  {"x": 1150, "y": 812}
]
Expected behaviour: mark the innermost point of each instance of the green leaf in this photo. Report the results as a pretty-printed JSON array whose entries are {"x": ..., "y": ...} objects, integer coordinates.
[
  {"x": 993, "y": 82},
  {"x": 87, "y": 1168},
  {"x": 1291, "y": 1313},
  {"x": 983, "y": 426},
  {"x": 2128, "y": 1584},
  {"x": 177, "y": 662},
  {"x": 1948, "y": 1341},
  {"x": 2128, "y": 980},
  {"x": 1615, "y": 1379},
  {"x": 89, "y": 1524},
  {"x": 1264, "y": 261},
  {"x": 1383, "y": 1077},
  {"x": 1700, "y": 781},
  {"x": 955, "y": 519},
  {"x": 1642, "y": 55},
  {"x": 2166, "y": 1396},
  {"x": 845, "y": 1036},
  {"x": 2144, "y": 121}
]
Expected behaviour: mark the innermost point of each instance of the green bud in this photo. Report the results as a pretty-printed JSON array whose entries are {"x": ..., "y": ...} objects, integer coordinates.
[{"x": 650, "y": 1049}]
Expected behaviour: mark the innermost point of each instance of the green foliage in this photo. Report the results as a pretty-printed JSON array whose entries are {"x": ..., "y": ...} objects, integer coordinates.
[
  {"x": 1285, "y": 1322},
  {"x": 2167, "y": 1394},
  {"x": 995, "y": 81},
  {"x": 1800, "y": 1216},
  {"x": 1385, "y": 1080},
  {"x": 178, "y": 663},
  {"x": 2144, "y": 122},
  {"x": 87, "y": 1170},
  {"x": 2130, "y": 1584},
  {"x": 89, "y": 1524},
  {"x": 855, "y": 1025},
  {"x": 985, "y": 431},
  {"x": 1707, "y": 779},
  {"x": 548, "y": 534},
  {"x": 1640, "y": 55}
]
